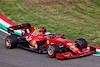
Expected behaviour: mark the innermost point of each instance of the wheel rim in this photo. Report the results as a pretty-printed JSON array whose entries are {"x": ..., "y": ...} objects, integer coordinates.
[
  {"x": 50, "y": 51},
  {"x": 7, "y": 42}
]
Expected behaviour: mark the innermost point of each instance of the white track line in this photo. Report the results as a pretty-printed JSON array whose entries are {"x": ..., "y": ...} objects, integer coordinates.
[
  {"x": 96, "y": 54},
  {"x": 4, "y": 31}
]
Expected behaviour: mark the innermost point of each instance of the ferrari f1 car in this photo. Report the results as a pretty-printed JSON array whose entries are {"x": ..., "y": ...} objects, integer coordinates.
[{"x": 40, "y": 41}]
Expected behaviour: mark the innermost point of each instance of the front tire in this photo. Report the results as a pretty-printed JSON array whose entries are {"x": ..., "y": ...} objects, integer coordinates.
[
  {"x": 81, "y": 43},
  {"x": 52, "y": 49},
  {"x": 11, "y": 41}
]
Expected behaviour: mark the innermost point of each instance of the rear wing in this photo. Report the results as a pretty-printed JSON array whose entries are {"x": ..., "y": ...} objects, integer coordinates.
[{"x": 18, "y": 27}]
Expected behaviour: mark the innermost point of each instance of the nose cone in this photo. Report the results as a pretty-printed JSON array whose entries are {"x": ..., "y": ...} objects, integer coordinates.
[{"x": 75, "y": 49}]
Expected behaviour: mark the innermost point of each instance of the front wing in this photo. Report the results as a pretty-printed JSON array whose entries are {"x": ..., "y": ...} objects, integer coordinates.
[{"x": 85, "y": 52}]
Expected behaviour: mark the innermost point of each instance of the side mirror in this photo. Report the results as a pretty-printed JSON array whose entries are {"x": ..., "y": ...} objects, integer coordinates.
[{"x": 62, "y": 34}]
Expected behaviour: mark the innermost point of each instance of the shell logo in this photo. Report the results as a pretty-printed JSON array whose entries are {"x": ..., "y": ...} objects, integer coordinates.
[
  {"x": 74, "y": 47},
  {"x": 32, "y": 43}
]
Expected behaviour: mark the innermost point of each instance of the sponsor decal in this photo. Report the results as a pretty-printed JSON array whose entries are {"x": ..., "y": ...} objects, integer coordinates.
[
  {"x": 28, "y": 39},
  {"x": 48, "y": 42},
  {"x": 33, "y": 43},
  {"x": 36, "y": 32},
  {"x": 69, "y": 44}
]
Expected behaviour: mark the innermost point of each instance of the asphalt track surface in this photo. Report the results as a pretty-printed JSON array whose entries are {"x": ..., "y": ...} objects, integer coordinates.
[{"x": 18, "y": 57}]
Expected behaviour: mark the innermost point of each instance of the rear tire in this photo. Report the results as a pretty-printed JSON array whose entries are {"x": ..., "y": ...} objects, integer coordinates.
[
  {"x": 52, "y": 49},
  {"x": 11, "y": 41},
  {"x": 81, "y": 43}
]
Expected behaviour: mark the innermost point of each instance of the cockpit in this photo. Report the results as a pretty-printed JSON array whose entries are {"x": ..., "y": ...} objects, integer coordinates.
[{"x": 49, "y": 35}]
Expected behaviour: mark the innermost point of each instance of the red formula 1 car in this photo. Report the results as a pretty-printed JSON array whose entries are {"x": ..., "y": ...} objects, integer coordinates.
[{"x": 40, "y": 41}]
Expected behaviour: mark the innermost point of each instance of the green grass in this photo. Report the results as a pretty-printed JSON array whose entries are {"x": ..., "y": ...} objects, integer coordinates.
[
  {"x": 75, "y": 18},
  {"x": 97, "y": 2}
]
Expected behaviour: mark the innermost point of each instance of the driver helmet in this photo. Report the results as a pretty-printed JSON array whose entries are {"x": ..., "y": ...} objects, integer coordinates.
[{"x": 42, "y": 30}]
